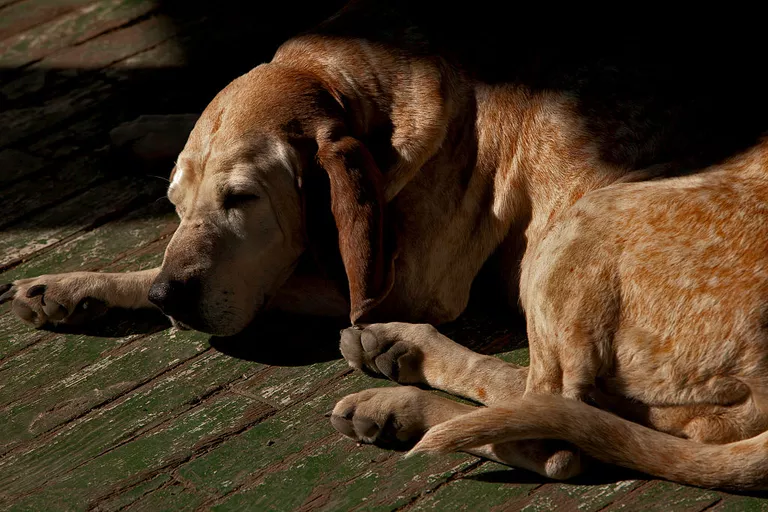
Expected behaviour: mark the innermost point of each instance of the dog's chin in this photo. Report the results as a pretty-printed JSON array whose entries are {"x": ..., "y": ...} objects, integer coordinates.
[
  {"x": 201, "y": 327},
  {"x": 214, "y": 326}
]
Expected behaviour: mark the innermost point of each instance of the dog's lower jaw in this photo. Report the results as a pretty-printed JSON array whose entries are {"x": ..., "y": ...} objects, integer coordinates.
[
  {"x": 204, "y": 328},
  {"x": 222, "y": 323}
]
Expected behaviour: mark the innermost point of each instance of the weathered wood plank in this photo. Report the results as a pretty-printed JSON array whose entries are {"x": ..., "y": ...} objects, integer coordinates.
[
  {"x": 72, "y": 28},
  {"x": 94, "y": 249},
  {"x": 29, "y": 13},
  {"x": 363, "y": 476},
  {"x": 231, "y": 465},
  {"x": 84, "y": 212},
  {"x": 74, "y": 178},
  {"x": 132, "y": 362},
  {"x": 88, "y": 62},
  {"x": 291, "y": 387},
  {"x": 127, "y": 496},
  {"x": 14, "y": 337},
  {"x": 55, "y": 357},
  {"x": 4, "y": 3},
  {"x": 171, "y": 497},
  {"x": 358, "y": 480},
  {"x": 569, "y": 496},
  {"x": 43, "y": 96},
  {"x": 113, "y": 46},
  {"x": 198, "y": 427},
  {"x": 73, "y": 139},
  {"x": 15, "y": 164},
  {"x": 519, "y": 356},
  {"x": 477, "y": 490},
  {"x": 268, "y": 442},
  {"x": 665, "y": 496},
  {"x": 24, "y": 121},
  {"x": 164, "y": 417},
  {"x": 731, "y": 503},
  {"x": 260, "y": 468},
  {"x": 168, "y": 54}
]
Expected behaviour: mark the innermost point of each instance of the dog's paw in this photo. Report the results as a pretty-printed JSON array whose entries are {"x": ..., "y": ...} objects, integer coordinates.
[
  {"x": 56, "y": 299},
  {"x": 393, "y": 350},
  {"x": 392, "y": 417}
]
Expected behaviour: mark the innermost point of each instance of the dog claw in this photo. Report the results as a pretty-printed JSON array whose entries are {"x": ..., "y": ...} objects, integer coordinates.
[
  {"x": 344, "y": 426},
  {"x": 7, "y": 292},
  {"x": 36, "y": 290},
  {"x": 365, "y": 427}
]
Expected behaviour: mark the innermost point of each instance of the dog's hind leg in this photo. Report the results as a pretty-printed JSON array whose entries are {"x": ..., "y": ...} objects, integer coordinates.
[
  {"x": 78, "y": 297},
  {"x": 398, "y": 417}
]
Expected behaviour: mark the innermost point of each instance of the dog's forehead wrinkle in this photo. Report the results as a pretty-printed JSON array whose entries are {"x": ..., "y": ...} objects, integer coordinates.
[
  {"x": 210, "y": 131},
  {"x": 255, "y": 160},
  {"x": 237, "y": 183}
]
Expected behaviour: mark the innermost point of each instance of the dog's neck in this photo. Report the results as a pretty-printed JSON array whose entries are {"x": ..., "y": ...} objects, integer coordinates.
[{"x": 536, "y": 146}]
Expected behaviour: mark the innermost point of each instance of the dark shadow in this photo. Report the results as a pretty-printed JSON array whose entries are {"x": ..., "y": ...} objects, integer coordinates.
[
  {"x": 117, "y": 323},
  {"x": 750, "y": 494},
  {"x": 597, "y": 474},
  {"x": 487, "y": 328},
  {"x": 652, "y": 86},
  {"x": 285, "y": 340},
  {"x": 57, "y": 118}
]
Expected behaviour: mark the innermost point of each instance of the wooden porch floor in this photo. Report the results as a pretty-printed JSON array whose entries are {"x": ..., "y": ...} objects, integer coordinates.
[{"x": 162, "y": 420}]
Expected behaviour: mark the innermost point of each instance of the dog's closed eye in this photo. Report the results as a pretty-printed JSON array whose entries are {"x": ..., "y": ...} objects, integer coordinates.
[{"x": 238, "y": 200}]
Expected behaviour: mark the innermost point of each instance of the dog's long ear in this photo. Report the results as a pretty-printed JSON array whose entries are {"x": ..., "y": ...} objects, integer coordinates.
[{"x": 357, "y": 203}]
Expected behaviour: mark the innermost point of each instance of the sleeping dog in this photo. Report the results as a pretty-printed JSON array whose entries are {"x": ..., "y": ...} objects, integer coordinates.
[{"x": 644, "y": 297}]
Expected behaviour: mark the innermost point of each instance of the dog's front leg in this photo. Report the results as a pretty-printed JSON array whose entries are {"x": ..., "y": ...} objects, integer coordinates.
[
  {"x": 419, "y": 354},
  {"x": 76, "y": 298}
]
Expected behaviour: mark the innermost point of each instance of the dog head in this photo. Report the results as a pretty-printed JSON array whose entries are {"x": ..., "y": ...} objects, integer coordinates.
[{"x": 239, "y": 190}]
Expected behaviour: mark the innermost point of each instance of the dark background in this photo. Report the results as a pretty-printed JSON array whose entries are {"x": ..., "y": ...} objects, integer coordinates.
[{"x": 697, "y": 77}]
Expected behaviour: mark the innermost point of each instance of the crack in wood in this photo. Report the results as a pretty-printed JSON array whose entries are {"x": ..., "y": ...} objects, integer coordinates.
[{"x": 431, "y": 490}]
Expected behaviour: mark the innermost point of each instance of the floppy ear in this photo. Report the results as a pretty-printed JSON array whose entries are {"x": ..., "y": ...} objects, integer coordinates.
[{"x": 357, "y": 203}]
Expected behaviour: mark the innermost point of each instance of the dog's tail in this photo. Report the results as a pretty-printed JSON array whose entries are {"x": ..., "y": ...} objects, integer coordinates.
[{"x": 740, "y": 465}]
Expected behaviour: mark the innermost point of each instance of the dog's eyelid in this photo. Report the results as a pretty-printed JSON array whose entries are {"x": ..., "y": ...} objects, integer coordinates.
[{"x": 235, "y": 198}]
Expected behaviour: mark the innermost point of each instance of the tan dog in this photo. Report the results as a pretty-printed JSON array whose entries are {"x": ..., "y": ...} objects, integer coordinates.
[
  {"x": 429, "y": 173},
  {"x": 662, "y": 325}
]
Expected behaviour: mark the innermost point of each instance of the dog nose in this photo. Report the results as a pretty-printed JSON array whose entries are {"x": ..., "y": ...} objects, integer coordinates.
[{"x": 171, "y": 296}]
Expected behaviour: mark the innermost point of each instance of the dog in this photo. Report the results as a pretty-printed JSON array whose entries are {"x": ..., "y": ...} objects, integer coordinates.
[
  {"x": 660, "y": 324},
  {"x": 642, "y": 296}
]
